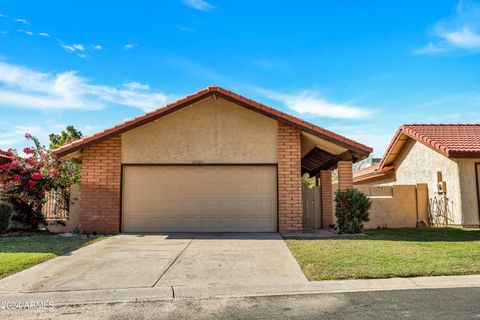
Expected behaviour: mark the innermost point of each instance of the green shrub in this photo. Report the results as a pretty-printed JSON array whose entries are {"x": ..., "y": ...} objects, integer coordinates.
[
  {"x": 351, "y": 209},
  {"x": 6, "y": 211}
]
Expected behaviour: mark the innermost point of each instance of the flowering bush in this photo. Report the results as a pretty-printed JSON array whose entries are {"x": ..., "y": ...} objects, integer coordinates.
[
  {"x": 351, "y": 209},
  {"x": 27, "y": 179}
]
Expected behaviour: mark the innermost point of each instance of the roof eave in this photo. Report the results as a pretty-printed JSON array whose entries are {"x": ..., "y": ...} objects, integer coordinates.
[
  {"x": 361, "y": 151},
  {"x": 463, "y": 154}
]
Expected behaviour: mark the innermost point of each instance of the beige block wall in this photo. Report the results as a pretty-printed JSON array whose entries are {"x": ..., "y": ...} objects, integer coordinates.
[
  {"x": 468, "y": 191},
  {"x": 210, "y": 131},
  {"x": 399, "y": 211},
  {"x": 418, "y": 163}
]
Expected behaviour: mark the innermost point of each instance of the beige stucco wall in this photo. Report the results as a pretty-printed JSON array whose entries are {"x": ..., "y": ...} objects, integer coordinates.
[
  {"x": 399, "y": 211},
  {"x": 210, "y": 131},
  {"x": 468, "y": 190},
  {"x": 418, "y": 163}
]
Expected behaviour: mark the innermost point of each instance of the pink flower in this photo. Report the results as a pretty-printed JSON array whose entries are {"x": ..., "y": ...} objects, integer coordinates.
[
  {"x": 54, "y": 173},
  {"x": 40, "y": 165},
  {"x": 32, "y": 183},
  {"x": 28, "y": 150},
  {"x": 36, "y": 176},
  {"x": 14, "y": 163},
  {"x": 28, "y": 135},
  {"x": 16, "y": 177}
]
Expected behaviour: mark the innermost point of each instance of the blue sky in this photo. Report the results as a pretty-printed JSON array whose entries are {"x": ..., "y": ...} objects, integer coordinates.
[{"x": 359, "y": 68}]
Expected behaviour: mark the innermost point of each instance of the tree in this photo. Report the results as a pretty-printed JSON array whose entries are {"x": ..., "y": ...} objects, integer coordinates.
[{"x": 68, "y": 135}]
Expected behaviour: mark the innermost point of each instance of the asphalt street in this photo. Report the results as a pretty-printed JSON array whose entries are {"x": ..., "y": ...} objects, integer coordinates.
[{"x": 455, "y": 303}]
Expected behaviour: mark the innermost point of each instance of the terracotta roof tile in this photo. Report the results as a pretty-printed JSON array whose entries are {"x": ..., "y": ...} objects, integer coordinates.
[
  {"x": 371, "y": 172},
  {"x": 451, "y": 140},
  {"x": 447, "y": 138},
  {"x": 183, "y": 102}
]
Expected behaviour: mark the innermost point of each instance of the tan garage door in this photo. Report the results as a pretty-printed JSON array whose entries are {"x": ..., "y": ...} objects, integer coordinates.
[{"x": 199, "y": 198}]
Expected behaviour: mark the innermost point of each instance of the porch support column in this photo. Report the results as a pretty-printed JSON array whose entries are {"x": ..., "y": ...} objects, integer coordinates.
[
  {"x": 345, "y": 175},
  {"x": 327, "y": 198}
]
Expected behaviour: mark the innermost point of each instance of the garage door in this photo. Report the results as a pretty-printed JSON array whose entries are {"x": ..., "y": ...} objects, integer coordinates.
[{"x": 200, "y": 198}]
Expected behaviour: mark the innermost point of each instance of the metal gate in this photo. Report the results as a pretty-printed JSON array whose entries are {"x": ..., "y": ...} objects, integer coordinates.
[{"x": 312, "y": 208}]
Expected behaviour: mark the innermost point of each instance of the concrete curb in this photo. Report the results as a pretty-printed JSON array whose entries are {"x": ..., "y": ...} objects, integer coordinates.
[
  {"x": 203, "y": 292},
  {"x": 90, "y": 296}
]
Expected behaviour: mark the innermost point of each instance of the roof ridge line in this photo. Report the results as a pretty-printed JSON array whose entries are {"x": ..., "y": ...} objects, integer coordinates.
[{"x": 191, "y": 98}]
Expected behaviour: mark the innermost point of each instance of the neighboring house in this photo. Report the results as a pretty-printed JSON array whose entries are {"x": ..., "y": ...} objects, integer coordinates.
[
  {"x": 446, "y": 157},
  {"x": 366, "y": 163},
  {"x": 3, "y": 157},
  {"x": 212, "y": 161}
]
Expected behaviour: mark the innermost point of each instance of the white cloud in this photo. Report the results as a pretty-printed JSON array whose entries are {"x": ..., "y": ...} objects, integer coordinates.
[
  {"x": 129, "y": 46},
  {"x": 136, "y": 86},
  {"x": 311, "y": 103},
  {"x": 460, "y": 32},
  {"x": 44, "y": 34},
  {"x": 429, "y": 49},
  {"x": 29, "y": 33},
  {"x": 79, "y": 47},
  {"x": 3, "y": 15},
  {"x": 76, "y": 48},
  {"x": 23, "y": 87},
  {"x": 67, "y": 47},
  {"x": 16, "y": 135},
  {"x": 97, "y": 47},
  {"x": 22, "y": 21},
  {"x": 199, "y": 5},
  {"x": 464, "y": 38}
]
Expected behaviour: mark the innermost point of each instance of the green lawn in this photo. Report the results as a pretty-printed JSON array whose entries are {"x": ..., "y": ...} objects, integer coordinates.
[
  {"x": 22, "y": 252},
  {"x": 385, "y": 253}
]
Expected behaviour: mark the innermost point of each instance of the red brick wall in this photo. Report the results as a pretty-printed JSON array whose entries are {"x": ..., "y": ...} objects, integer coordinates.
[
  {"x": 289, "y": 179},
  {"x": 327, "y": 198},
  {"x": 345, "y": 175},
  {"x": 100, "y": 187}
]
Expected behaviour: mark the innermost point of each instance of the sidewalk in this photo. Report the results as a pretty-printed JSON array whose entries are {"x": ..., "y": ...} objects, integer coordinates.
[{"x": 202, "y": 292}]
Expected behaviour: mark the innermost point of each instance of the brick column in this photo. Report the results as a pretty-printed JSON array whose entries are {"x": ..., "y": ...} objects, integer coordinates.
[
  {"x": 345, "y": 175},
  {"x": 289, "y": 179},
  {"x": 100, "y": 187},
  {"x": 327, "y": 198}
]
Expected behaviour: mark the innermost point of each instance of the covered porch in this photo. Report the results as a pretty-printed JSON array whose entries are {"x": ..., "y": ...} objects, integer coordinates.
[{"x": 321, "y": 158}]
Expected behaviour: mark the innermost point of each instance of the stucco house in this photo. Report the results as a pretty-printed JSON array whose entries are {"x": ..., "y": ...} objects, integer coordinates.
[
  {"x": 213, "y": 161},
  {"x": 445, "y": 157}
]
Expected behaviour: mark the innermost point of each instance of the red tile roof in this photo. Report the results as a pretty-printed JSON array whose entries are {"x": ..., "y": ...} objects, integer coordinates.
[
  {"x": 451, "y": 140},
  {"x": 371, "y": 172},
  {"x": 349, "y": 144},
  {"x": 448, "y": 139}
]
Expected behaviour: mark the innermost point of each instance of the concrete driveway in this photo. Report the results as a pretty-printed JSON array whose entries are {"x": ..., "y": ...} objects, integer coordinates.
[{"x": 137, "y": 261}]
